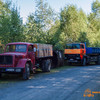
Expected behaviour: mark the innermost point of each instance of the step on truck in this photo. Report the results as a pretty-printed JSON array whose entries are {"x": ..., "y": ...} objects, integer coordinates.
[
  {"x": 79, "y": 53},
  {"x": 24, "y": 58}
]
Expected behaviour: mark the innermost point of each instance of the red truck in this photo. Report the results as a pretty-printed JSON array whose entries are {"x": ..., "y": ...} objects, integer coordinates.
[{"x": 24, "y": 58}]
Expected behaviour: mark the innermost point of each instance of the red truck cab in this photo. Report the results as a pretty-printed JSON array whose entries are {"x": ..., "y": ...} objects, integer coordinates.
[
  {"x": 23, "y": 57},
  {"x": 17, "y": 58}
]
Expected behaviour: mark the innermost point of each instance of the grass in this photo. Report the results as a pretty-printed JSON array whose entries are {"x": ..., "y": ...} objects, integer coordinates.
[{"x": 61, "y": 68}]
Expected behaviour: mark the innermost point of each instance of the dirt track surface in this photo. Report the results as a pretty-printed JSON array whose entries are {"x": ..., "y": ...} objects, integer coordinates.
[{"x": 66, "y": 84}]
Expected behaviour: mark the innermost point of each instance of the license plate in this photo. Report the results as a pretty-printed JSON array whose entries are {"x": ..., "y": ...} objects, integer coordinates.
[{"x": 10, "y": 70}]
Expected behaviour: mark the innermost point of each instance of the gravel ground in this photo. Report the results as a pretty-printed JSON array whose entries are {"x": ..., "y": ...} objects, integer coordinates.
[{"x": 66, "y": 84}]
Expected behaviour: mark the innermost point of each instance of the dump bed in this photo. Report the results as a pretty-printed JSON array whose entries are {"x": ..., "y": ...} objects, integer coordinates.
[
  {"x": 92, "y": 50},
  {"x": 43, "y": 50}
]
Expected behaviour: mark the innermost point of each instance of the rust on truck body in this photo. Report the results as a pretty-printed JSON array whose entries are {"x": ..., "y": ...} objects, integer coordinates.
[{"x": 43, "y": 50}]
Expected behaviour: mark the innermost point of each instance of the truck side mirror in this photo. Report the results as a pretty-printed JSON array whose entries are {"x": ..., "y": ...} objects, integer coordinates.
[{"x": 34, "y": 49}]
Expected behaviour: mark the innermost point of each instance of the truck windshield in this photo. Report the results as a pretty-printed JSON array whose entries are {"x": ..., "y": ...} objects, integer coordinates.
[
  {"x": 73, "y": 46},
  {"x": 16, "y": 48}
]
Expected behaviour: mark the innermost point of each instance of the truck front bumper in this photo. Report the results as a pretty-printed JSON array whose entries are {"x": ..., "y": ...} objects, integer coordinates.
[
  {"x": 74, "y": 60},
  {"x": 11, "y": 70}
]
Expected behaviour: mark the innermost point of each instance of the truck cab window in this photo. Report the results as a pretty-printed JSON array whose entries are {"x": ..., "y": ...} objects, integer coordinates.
[
  {"x": 82, "y": 46},
  {"x": 73, "y": 46},
  {"x": 30, "y": 49}
]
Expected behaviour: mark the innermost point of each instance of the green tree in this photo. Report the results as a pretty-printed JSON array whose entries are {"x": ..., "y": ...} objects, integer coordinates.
[
  {"x": 96, "y": 8},
  {"x": 11, "y": 27},
  {"x": 39, "y": 23},
  {"x": 53, "y": 33},
  {"x": 44, "y": 14},
  {"x": 16, "y": 26},
  {"x": 32, "y": 30},
  {"x": 83, "y": 38},
  {"x": 4, "y": 22},
  {"x": 73, "y": 23},
  {"x": 94, "y": 24}
]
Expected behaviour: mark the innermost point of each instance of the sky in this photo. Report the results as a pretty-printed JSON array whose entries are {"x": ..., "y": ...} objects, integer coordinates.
[{"x": 28, "y": 6}]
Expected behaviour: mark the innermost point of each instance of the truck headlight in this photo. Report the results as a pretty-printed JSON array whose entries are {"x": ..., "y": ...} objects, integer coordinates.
[
  {"x": 18, "y": 70},
  {"x": 65, "y": 57},
  {"x": 77, "y": 57}
]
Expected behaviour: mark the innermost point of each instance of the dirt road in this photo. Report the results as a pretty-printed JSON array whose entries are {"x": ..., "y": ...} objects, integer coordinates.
[{"x": 66, "y": 84}]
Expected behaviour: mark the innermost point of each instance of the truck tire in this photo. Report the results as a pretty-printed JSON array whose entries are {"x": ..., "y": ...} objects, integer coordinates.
[
  {"x": 69, "y": 63},
  {"x": 0, "y": 75},
  {"x": 26, "y": 74},
  {"x": 98, "y": 62},
  {"x": 46, "y": 65},
  {"x": 84, "y": 62}
]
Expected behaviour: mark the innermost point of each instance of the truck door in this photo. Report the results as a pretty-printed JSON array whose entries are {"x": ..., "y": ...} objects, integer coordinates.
[
  {"x": 31, "y": 54},
  {"x": 83, "y": 50}
]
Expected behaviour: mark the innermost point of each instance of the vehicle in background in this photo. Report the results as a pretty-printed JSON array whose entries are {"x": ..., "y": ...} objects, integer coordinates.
[
  {"x": 79, "y": 53},
  {"x": 58, "y": 58},
  {"x": 24, "y": 58}
]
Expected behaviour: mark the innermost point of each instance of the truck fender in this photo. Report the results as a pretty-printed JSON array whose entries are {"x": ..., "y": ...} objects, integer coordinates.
[{"x": 22, "y": 63}]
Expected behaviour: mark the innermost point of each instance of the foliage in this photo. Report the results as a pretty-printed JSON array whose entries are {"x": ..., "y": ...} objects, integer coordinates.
[
  {"x": 11, "y": 27},
  {"x": 33, "y": 30},
  {"x": 94, "y": 24},
  {"x": 44, "y": 14},
  {"x": 73, "y": 24},
  {"x": 39, "y": 23},
  {"x": 16, "y": 27},
  {"x": 46, "y": 26}
]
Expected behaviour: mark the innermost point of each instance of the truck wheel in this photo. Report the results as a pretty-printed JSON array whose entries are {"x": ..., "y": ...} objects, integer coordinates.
[
  {"x": 46, "y": 67},
  {"x": 98, "y": 62},
  {"x": 26, "y": 74},
  {"x": 0, "y": 75},
  {"x": 49, "y": 65},
  {"x": 69, "y": 63},
  {"x": 84, "y": 62}
]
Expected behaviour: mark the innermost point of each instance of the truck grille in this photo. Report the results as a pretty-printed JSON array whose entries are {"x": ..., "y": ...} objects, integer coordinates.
[
  {"x": 72, "y": 56},
  {"x": 6, "y": 59}
]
